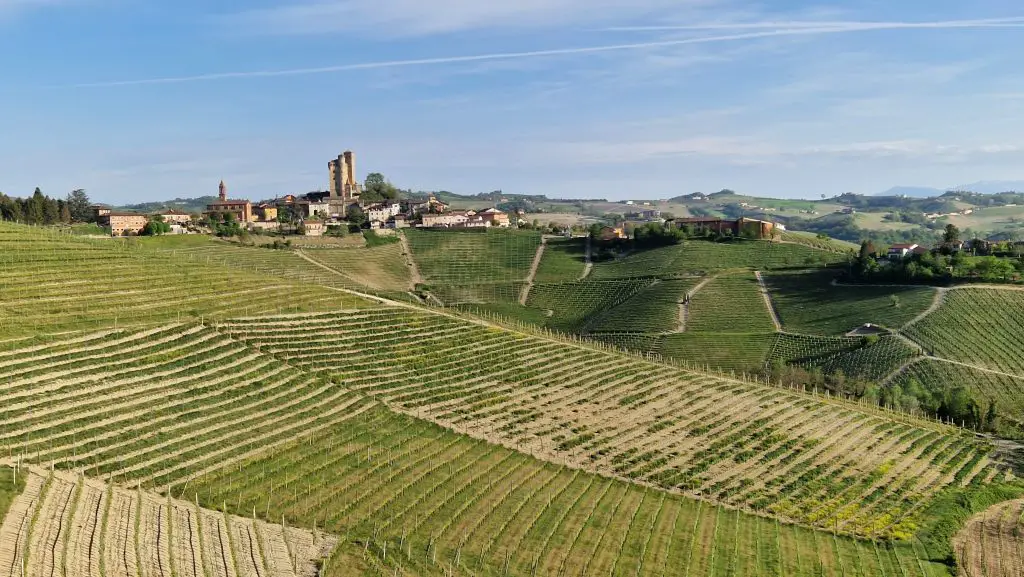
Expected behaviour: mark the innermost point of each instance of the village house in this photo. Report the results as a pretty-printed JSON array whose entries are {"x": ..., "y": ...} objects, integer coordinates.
[
  {"x": 266, "y": 212},
  {"x": 174, "y": 216},
  {"x": 431, "y": 205},
  {"x": 313, "y": 227},
  {"x": 382, "y": 212},
  {"x": 123, "y": 223},
  {"x": 241, "y": 209},
  {"x": 494, "y": 217},
  {"x": 901, "y": 251},
  {"x": 608, "y": 233},
  {"x": 450, "y": 219}
]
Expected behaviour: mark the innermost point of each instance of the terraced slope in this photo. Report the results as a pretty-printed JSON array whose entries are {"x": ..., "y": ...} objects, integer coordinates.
[
  {"x": 474, "y": 255},
  {"x": 992, "y": 542},
  {"x": 564, "y": 260},
  {"x": 730, "y": 304},
  {"x": 655, "y": 309},
  {"x": 51, "y": 283},
  {"x": 982, "y": 327},
  {"x": 807, "y": 302},
  {"x": 568, "y": 306},
  {"x": 853, "y": 356},
  {"x": 63, "y": 524},
  {"x": 835, "y": 465}
]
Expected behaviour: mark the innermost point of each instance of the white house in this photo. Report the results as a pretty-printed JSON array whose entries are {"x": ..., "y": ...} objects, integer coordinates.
[{"x": 898, "y": 251}]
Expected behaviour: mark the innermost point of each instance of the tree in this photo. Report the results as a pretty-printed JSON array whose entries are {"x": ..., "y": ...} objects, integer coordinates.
[
  {"x": 155, "y": 227},
  {"x": 65, "y": 212},
  {"x": 356, "y": 216},
  {"x": 376, "y": 187},
  {"x": 374, "y": 179},
  {"x": 951, "y": 234},
  {"x": 79, "y": 206}
]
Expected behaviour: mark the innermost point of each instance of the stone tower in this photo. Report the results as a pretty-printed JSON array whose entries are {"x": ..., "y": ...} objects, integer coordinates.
[
  {"x": 342, "y": 172},
  {"x": 223, "y": 192}
]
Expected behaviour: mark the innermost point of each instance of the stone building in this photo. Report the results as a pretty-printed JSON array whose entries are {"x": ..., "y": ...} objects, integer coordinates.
[
  {"x": 345, "y": 189},
  {"x": 242, "y": 209},
  {"x": 123, "y": 223}
]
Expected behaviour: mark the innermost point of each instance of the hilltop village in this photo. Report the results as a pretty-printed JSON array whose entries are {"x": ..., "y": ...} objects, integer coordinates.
[{"x": 311, "y": 214}]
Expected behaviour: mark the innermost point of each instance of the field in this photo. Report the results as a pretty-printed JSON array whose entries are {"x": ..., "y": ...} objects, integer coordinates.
[
  {"x": 473, "y": 256},
  {"x": 807, "y": 302},
  {"x": 569, "y": 306},
  {"x": 51, "y": 282},
  {"x": 67, "y": 524},
  {"x": 982, "y": 327},
  {"x": 563, "y": 260},
  {"x": 852, "y": 356},
  {"x": 992, "y": 542}
]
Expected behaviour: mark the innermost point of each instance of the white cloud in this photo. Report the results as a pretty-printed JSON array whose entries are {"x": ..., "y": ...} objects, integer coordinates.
[{"x": 416, "y": 17}]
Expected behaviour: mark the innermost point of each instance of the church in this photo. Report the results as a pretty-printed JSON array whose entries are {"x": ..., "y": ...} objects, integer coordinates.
[{"x": 241, "y": 208}]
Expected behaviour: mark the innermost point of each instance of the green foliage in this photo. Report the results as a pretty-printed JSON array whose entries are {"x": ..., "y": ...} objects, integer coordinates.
[
  {"x": 373, "y": 239},
  {"x": 10, "y": 488},
  {"x": 79, "y": 206},
  {"x": 155, "y": 227},
  {"x": 563, "y": 260},
  {"x": 377, "y": 188},
  {"x": 473, "y": 255},
  {"x": 729, "y": 304}
]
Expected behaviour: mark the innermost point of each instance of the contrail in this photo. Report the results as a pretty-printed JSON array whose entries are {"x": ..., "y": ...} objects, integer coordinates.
[
  {"x": 797, "y": 29},
  {"x": 832, "y": 26}
]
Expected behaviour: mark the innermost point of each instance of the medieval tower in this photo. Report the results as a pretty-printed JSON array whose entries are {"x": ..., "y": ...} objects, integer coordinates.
[{"x": 342, "y": 171}]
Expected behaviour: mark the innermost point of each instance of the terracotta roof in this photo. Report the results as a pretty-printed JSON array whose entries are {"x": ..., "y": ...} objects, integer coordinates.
[{"x": 229, "y": 201}]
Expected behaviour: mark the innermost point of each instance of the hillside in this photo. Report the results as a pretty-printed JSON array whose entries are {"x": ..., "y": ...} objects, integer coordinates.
[{"x": 427, "y": 440}]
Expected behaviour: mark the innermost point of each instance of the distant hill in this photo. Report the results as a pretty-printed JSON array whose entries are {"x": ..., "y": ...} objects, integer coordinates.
[
  {"x": 993, "y": 186},
  {"x": 912, "y": 191},
  {"x": 182, "y": 204}
]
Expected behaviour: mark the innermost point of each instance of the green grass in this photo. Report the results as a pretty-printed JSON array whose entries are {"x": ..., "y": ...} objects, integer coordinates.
[
  {"x": 700, "y": 255},
  {"x": 730, "y": 303},
  {"x": 807, "y": 302},
  {"x": 473, "y": 256},
  {"x": 563, "y": 260},
  {"x": 982, "y": 327},
  {"x": 9, "y": 488},
  {"x": 381, "y": 267}
]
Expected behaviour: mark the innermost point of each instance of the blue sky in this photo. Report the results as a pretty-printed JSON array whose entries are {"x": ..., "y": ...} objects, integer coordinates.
[{"x": 145, "y": 100}]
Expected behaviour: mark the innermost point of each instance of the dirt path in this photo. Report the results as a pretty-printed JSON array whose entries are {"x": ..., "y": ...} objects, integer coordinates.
[
  {"x": 888, "y": 379},
  {"x": 589, "y": 266},
  {"x": 940, "y": 296},
  {"x": 684, "y": 307},
  {"x": 524, "y": 294},
  {"x": 768, "y": 302},
  {"x": 414, "y": 269}
]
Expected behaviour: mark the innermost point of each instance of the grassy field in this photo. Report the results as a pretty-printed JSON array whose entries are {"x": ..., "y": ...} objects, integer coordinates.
[
  {"x": 852, "y": 356},
  {"x": 982, "y": 327},
  {"x": 807, "y": 302},
  {"x": 473, "y": 256},
  {"x": 735, "y": 352},
  {"x": 10, "y": 487},
  {"x": 569, "y": 306}
]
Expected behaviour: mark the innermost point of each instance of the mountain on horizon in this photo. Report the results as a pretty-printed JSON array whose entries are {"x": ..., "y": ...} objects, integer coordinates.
[
  {"x": 912, "y": 191},
  {"x": 982, "y": 187}
]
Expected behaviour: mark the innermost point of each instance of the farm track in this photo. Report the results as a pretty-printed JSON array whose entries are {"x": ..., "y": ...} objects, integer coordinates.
[
  {"x": 101, "y": 532},
  {"x": 684, "y": 307},
  {"x": 524, "y": 294},
  {"x": 414, "y": 269},
  {"x": 768, "y": 302}
]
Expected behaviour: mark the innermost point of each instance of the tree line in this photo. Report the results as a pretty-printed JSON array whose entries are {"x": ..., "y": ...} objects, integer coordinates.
[{"x": 40, "y": 209}]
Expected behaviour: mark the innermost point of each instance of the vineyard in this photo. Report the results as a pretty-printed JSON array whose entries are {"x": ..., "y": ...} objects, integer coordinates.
[
  {"x": 1002, "y": 390},
  {"x": 852, "y": 356},
  {"x": 381, "y": 268},
  {"x": 700, "y": 255},
  {"x": 992, "y": 542},
  {"x": 807, "y": 302},
  {"x": 655, "y": 309},
  {"x": 50, "y": 283},
  {"x": 65, "y": 524},
  {"x": 563, "y": 260},
  {"x": 729, "y": 304},
  {"x": 756, "y": 447},
  {"x": 982, "y": 327},
  {"x": 473, "y": 256}
]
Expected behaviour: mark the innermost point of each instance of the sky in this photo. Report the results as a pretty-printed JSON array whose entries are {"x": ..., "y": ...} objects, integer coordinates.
[{"x": 139, "y": 100}]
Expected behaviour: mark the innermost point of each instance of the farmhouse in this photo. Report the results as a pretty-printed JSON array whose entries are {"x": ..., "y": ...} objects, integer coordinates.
[
  {"x": 242, "y": 209},
  {"x": 266, "y": 212},
  {"x": 174, "y": 216},
  {"x": 382, "y": 212},
  {"x": 123, "y": 223}
]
